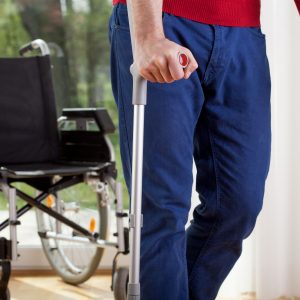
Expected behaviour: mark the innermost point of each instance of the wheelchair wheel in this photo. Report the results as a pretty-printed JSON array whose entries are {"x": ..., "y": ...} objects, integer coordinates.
[
  {"x": 74, "y": 262},
  {"x": 120, "y": 282},
  {"x": 6, "y": 296}
]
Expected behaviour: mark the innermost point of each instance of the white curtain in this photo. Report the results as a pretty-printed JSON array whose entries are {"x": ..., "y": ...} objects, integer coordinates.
[{"x": 270, "y": 264}]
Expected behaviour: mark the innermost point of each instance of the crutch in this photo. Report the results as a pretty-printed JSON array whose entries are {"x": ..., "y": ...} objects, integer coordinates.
[{"x": 139, "y": 100}]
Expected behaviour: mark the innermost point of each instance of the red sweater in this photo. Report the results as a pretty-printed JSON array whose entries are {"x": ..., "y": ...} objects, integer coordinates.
[{"x": 219, "y": 12}]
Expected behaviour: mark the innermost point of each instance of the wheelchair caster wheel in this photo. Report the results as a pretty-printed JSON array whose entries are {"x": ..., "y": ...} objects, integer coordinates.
[
  {"x": 120, "y": 282},
  {"x": 6, "y": 296}
]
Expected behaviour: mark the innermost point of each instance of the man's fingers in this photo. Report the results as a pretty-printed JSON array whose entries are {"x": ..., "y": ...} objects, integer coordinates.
[
  {"x": 166, "y": 67},
  {"x": 188, "y": 71},
  {"x": 175, "y": 67},
  {"x": 162, "y": 65},
  {"x": 192, "y": 66},
  {"x": 148, "y": 76},
  {"x": 156, "y": 73}
]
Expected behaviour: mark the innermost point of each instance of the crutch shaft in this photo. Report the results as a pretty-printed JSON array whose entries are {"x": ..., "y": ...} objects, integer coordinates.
[{"x": 139, "y": 100}]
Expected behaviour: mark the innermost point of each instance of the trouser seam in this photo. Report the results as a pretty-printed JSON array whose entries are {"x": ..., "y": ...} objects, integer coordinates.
[
  {"x": 209, "y": 72},
  {"x": 122, "y": 105},
  {"x": 214, "y": 226}
]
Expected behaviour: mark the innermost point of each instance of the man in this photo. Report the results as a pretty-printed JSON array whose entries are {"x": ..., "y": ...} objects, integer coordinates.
[{"x": 216, "y": 111}]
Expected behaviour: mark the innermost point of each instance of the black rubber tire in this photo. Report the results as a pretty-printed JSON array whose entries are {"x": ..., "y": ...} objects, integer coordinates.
[
  {"x": 120, "y": 283},
  {"x": 6, "y": 296}
]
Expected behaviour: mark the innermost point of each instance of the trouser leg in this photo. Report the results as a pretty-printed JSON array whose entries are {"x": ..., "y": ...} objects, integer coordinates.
[
  {"x": 232, "y": 155},
  {"x": 170, "y": 119}
]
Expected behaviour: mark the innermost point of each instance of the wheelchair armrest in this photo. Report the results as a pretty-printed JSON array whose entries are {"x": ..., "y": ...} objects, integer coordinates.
[{"x": 100, "y": 115}]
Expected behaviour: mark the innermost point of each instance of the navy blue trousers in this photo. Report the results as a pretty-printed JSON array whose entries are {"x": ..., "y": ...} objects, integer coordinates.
[{"x": 220, "y": 117}]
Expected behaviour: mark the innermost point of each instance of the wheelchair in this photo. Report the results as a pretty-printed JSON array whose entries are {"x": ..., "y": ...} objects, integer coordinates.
[{"x": 51, "y": 155}]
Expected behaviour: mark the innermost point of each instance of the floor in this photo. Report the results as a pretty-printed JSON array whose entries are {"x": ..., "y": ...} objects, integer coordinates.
[{"x": 53, "y": 288}]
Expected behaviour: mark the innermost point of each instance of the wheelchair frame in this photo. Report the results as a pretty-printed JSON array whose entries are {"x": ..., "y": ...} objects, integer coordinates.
[{"x": 99, "y": 179}]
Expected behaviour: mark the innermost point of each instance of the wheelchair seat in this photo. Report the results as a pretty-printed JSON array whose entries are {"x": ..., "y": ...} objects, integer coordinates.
[{"x": 23, "y": 171}]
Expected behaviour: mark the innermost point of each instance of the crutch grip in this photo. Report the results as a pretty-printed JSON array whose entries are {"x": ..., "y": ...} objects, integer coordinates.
[{"x": 139, "y": 90}]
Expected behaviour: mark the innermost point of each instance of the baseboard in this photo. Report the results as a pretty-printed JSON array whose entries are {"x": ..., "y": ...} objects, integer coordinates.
[{"x": 49, "y": 272}]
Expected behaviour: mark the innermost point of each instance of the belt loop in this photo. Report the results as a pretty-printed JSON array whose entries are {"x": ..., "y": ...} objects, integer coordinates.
[
  {"x": 115, "y": 15},
  {"x": 217, "y": 43}
]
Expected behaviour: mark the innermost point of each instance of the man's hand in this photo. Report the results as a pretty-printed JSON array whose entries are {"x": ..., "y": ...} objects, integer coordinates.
[
  {"x": 157, "y": 60},
  {"x": 156, "y": 57}
]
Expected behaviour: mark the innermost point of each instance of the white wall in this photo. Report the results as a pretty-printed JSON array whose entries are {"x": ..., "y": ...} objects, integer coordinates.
[{"x": 278, "y": 240}]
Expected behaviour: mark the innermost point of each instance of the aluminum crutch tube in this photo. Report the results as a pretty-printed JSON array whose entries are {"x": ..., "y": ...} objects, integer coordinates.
[{"x": 139, "y": 100}]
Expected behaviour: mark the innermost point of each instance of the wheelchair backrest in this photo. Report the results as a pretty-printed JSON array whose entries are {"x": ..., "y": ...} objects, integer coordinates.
[{"x": 28, "y": 121}]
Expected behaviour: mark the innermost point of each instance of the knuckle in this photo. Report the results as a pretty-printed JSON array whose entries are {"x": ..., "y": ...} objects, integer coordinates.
[
  {"x": 151, "y": 67},
  {"x": 169, "y": 56},
  {"x": 151, "y": 62},
  {"x": 153, "y": 58},
  {"x": 195, "y": 68},
  {"x": 192, "y": 67},
  {"x": 158, "y": 62},
  {"x": 195, "y": 65}
]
